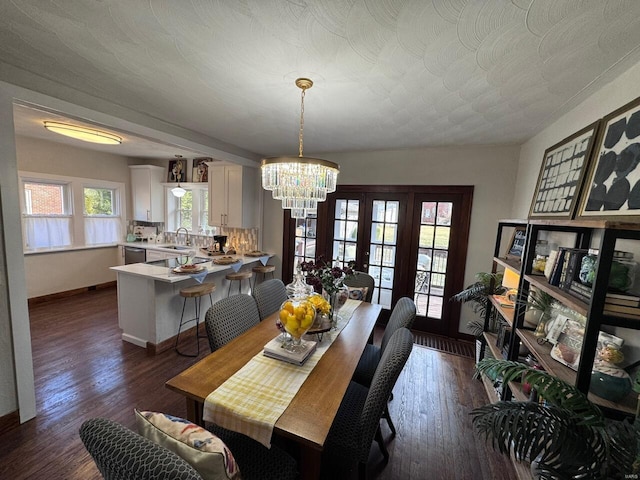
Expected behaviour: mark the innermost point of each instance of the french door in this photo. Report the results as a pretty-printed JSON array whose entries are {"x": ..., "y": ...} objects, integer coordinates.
[{"x": 412, "y": 240}]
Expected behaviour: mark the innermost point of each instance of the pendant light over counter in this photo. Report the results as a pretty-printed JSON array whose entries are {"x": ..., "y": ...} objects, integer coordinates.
[{"x": 300, "y": 182}]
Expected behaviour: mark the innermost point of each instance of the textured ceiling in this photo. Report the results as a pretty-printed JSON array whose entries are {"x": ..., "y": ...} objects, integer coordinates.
[{"x": 388, "y": 74}]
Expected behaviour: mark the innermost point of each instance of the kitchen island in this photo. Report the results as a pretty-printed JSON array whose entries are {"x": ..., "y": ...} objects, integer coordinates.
[{"x": 149, "y": 301}]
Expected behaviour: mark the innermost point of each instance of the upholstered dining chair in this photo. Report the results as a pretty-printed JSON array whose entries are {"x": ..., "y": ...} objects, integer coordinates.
[
  {"x": 230, "y": 317},
  {"x": 269, "y": 295},
  {"x": 357, "y": 423},
  {"x": 360, "y": 280},
  {"x": 402, "y": 316},
  {"x": 121, "y": 453}
]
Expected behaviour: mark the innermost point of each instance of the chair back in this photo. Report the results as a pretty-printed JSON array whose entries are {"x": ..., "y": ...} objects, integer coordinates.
[
  {"x": 230, "y": 317},
  {"x": 402, "y": 316},
  {"x": 121, "y": 453},
  {"x": 269, "y": 295},
  {"x": 387, "y": 372},
  {"x": 361, "y": 279}
]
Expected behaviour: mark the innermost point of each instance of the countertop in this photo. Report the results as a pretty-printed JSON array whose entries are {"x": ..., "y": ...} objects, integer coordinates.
[{"x": 165, "y": 274}]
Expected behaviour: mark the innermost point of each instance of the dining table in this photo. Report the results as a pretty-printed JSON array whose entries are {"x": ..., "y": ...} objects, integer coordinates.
[{"x": 308, "y": 417}]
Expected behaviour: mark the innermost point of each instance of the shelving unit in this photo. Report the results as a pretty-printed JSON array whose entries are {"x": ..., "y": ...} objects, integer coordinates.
[{"x": 607, "y": 233}]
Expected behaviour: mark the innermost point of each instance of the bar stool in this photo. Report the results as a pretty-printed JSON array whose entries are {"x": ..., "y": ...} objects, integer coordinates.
[
  {"x": 239, "y": 276},
  {"x": 196, "y": 292},
  {"x": 262, "y": 269}
]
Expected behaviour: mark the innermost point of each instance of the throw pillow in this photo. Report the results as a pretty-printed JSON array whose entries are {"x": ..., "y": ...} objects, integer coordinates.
[
  {"x": 358, "y": 293},
  {"x": 202, "y": 449}
]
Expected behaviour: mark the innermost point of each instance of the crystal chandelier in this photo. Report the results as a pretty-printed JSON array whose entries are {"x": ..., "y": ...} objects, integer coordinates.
[{"x": 300, "y": 182}]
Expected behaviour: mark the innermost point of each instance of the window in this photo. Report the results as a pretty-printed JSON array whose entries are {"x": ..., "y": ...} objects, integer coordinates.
[
  {"x": 47, "y": 215},
  {"x": 101, "y": 223},
  {"x": 190, "y": 211},
  {"x": 66, "y": 212}
]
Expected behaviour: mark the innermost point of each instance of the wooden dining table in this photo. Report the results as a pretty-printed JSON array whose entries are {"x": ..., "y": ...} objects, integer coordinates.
[{"x": 309, "y": 416}]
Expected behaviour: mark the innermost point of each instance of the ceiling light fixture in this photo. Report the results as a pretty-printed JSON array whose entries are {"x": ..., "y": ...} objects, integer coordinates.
[
  {"x": 83, "y": 133},
  {"x": 300, "y": 182},
  {"x": 178, "y": 191}
]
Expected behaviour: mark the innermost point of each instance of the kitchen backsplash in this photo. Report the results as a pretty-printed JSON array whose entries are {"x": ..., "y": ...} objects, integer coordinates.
[{"x": 243, "y": 239}]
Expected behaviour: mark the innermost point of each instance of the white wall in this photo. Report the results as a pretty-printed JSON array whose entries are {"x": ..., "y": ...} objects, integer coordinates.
[
  {"x": 78, "y": 268},
  {"x": 490, "y": 169}
]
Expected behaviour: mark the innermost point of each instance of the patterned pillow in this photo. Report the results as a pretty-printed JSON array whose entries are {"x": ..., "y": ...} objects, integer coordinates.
[
  {"x": 202, "y": 449},
  {"x": 358, "y": 293}
]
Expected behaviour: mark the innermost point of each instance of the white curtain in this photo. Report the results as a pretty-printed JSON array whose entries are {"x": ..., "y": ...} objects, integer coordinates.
[
  {"x": 98, "y": 230},
  {"x": 47, "y": 232}
]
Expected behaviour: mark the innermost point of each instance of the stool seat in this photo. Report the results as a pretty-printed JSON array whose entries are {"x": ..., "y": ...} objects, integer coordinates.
[
  {"x": 264, "y": 269},
  {"x": 198, "y": 290},
  {"x": 239, "y": 275}
]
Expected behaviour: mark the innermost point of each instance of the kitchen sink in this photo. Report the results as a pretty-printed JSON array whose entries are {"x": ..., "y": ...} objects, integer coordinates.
[{"x": 175, "y": 247}]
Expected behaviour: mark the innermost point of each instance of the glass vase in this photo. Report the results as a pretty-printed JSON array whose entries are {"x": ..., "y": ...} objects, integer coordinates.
[
  {"x": 336, "y": 299},
  {"x": 296, "y": 315}
]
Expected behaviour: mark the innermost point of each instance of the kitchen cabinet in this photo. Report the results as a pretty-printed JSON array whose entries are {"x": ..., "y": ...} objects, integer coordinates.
[
  {"x": 602, "y": 235},
  {"x": 147, "y": 192},
  {"x": 153, "y": 255},
  {"x": 232, "y": 196}
]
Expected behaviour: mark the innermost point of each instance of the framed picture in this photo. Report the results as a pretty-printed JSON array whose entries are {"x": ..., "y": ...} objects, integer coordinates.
[
  {"x": 200, "y": 170},
  {"x": 517, "y": 243},
  {"x": 177, "y": 171},
  {"x": 562, "y": 174},
  {"x": 614, "y": 176}
]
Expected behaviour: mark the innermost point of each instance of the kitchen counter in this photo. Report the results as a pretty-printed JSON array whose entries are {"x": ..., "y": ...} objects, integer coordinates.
[{"x": 149, "y": 301}]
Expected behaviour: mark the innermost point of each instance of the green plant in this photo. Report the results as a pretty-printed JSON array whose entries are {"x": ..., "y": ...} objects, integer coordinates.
[
  {"x": 476, "y": 295},
  {"x": 565, "y": 437}
]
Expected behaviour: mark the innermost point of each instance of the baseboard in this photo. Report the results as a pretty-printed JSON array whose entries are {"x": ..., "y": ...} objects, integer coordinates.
[
  {"x": 169, "y": 343},
  {"x": 69, "y": 293},
  {"x": 9, "y": 422}
]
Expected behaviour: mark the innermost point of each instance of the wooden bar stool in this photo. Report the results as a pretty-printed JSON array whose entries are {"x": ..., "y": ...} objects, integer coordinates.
[
  {"x": 238, "y": 276},
  {"x": 196, "y": 292},
  {"x": 262, "y": 269}
]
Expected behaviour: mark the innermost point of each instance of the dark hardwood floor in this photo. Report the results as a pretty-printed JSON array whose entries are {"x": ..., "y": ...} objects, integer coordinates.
[{"x": 83, "y": 370}]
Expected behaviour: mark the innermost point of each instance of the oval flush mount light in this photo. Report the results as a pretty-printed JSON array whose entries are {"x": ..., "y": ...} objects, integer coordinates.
[{"x": 83, "y": 133}]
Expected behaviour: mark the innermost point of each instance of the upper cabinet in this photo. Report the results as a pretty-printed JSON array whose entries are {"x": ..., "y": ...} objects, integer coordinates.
[
  {"x": 147, "y": 192},
  {"x": 232, "y": 196}
]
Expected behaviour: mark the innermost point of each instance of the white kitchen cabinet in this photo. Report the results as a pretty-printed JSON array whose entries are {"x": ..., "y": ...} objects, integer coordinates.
[
  {"x": 147, "y": 192},
  {"x": 232, "y": 196},
  {"x": 153, "y": 255}
]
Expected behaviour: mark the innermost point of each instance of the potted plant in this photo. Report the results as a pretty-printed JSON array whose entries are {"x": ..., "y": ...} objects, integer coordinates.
[
  {"x": 476, "y": 295},
  {"x": 564, "y": 437}
]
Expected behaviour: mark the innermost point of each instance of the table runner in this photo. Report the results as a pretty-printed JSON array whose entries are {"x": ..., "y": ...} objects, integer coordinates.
[{"x": 252, "y": 399}]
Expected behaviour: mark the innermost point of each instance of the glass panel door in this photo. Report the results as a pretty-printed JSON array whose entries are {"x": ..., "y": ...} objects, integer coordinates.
[{"x": 383, "y": 249}]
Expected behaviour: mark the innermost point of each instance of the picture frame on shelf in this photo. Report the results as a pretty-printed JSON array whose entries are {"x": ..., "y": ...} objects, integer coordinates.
[
  {"x": 200, "y": 170},
  {"x": 177, "y": 171},
  {"x": 613, "y": 182},
  {"x": 517, "y": 244},
  {"x": 562, "y": 173}
]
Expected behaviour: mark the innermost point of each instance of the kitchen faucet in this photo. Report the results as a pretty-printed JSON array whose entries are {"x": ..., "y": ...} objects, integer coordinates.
[{"x": 187, "y": 243}]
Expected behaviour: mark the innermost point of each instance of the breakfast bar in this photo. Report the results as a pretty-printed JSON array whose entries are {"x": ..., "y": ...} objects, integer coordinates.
[{"x": 149, "y": 302}]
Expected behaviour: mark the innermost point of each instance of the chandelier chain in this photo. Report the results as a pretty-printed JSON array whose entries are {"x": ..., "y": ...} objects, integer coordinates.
[{"x": 301, "y": 134}]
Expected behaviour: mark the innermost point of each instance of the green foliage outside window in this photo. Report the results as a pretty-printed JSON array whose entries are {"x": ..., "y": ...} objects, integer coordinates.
[{"x": 98, "y": 201}]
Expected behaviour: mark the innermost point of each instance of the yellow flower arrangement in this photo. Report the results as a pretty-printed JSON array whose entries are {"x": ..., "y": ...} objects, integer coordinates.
[{"x": 321, "y": 305}]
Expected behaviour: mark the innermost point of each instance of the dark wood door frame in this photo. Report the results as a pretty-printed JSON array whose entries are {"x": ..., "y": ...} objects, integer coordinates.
[{"x": 404, "y": 287}]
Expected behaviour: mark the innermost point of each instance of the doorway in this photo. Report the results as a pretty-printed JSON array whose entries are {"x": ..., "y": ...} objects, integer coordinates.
[{"x": 411, "y": 239}]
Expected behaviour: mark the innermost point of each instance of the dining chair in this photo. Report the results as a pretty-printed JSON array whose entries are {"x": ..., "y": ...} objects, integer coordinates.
[
  {"x": 357, "y": 423},
  {"x": 359, "y": 280},
  {"x": 121, "y": 453},
  {"x": 269, "y": 295},
  {"x": 402, "y": 316},
  {"x": 230, "y": 317}
]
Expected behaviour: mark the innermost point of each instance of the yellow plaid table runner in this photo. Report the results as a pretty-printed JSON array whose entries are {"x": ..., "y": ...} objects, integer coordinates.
[{"x": 252, "y": 400}]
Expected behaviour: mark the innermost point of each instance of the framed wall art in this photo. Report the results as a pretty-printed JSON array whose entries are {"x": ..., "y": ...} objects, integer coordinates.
[
  {"x": 562, "y": 174},
  {"x": 200, "y": 170},
  {"x": 177, "y": 171},
  {"x": 613, "y": 180}
]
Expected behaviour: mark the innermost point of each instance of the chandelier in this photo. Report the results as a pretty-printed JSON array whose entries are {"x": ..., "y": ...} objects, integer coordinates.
[{"x": 300, "y": 182}]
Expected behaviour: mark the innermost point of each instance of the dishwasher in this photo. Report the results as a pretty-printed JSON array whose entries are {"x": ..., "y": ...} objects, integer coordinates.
[{"x": 134, "y": 255}]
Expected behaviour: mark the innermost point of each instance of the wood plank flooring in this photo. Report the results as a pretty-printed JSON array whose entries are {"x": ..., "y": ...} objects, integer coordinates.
[{"x": 84, "y": 370}]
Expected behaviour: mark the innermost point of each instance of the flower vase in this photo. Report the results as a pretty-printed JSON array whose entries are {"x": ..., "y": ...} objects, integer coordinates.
[{"x": 336, "y": 299}]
